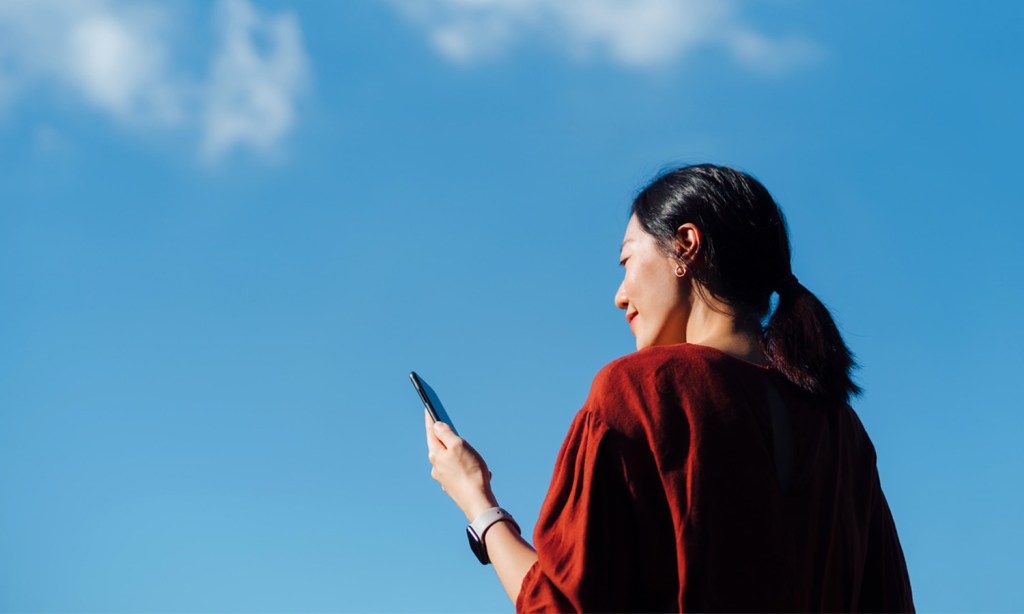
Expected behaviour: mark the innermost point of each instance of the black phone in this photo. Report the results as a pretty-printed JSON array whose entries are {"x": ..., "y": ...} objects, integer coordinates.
[{"x": 431, "y": 401}]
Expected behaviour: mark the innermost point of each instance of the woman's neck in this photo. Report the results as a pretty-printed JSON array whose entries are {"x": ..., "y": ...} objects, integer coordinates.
[{"x": 713, "y": 324}]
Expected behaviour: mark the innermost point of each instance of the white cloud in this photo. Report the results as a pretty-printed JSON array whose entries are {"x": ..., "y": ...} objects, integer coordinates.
[
  {"x": 121, "y": 66},
  {"x": 632, "y": 33},
  {"x": 120, "y": 59},
  {"x": 250, "y": 98}
]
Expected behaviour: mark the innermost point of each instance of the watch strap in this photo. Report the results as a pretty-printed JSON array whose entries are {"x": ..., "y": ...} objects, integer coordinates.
[
  {"x": 479, "y": 527},
  {"x": 488, "y": 517}
]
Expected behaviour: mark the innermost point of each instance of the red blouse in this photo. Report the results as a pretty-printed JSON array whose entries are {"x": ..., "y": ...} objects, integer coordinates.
[{"x": 665, "y": 497}]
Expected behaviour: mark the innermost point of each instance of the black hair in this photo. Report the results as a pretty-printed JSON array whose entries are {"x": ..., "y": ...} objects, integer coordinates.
[{"x": 743, "y": 259}]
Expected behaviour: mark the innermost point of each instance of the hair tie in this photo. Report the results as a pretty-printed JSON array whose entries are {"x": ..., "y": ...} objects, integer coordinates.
[{"x": 789, "y": 285}]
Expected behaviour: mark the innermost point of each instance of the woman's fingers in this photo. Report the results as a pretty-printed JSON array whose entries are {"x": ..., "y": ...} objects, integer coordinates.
[
  {"x": 434, "y": 444},
  {"x": 446, "y": 435},
  {"x": 459, "y": 469}
]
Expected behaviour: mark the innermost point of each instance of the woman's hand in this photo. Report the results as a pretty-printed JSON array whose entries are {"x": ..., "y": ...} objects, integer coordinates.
[{"x": 463, "y": 474}]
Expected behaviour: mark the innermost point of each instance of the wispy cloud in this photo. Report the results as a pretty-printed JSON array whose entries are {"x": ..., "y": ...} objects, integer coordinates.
[
  {"x": 121, "y": 59},
  {"x": 250, "y": 98},
  {"x": 631, "y": 33}
]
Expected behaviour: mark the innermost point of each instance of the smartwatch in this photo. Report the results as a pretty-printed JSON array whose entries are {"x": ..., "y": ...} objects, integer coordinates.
[{"x": 478, "y": 528}]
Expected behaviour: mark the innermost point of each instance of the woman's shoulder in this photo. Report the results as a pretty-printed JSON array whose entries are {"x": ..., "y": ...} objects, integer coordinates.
[
  {"x": 635, "y": 389},
  {"x": 683, "y": 363}
]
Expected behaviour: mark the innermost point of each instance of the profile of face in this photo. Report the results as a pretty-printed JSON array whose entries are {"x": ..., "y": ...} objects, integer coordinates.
[{"x": 656, "y": 301}]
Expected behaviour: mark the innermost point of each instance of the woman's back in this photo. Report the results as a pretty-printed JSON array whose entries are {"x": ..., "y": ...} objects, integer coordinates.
[{"x": 670, "y": 494}]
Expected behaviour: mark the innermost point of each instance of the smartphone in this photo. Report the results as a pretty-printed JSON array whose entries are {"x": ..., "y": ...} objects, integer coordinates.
[{"x": 430, "y": 401}]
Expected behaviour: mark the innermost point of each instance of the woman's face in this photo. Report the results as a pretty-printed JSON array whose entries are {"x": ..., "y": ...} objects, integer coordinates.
[{"x": 655, "y": 299}]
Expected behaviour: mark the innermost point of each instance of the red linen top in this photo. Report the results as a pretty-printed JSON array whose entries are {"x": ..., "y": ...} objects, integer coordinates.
[{"x": 665, "y": 497}]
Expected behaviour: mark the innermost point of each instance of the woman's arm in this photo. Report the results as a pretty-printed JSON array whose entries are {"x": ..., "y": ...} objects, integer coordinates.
[
  {"x": 511, "y": 556},
  {"x": 463, "y": 474}
]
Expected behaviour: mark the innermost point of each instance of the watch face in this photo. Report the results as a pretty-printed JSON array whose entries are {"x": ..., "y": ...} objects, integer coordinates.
[{"x": 477, "y": 546}]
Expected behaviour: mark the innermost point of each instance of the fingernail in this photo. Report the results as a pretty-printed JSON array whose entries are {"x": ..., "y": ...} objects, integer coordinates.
[{"x": 439, "y": 426}]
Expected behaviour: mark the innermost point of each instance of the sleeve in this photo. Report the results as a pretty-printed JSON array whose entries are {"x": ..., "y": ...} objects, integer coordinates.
[
  {"x": 886, "y": 583},
  {"x": 587, "y": 539}
]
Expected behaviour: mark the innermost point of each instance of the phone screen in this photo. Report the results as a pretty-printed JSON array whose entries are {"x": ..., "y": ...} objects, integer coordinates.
[{"x": 431, "y": 401}]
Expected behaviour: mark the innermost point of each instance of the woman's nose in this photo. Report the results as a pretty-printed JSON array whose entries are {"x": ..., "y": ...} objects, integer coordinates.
[{"x": 621, "y": 300}]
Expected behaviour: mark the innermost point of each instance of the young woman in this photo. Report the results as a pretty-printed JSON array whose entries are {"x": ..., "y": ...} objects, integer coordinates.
[{"x": 719, "y": 467}]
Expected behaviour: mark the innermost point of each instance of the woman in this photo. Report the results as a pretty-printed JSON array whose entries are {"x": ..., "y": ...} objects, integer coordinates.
[{"x": 720, "y": 467}]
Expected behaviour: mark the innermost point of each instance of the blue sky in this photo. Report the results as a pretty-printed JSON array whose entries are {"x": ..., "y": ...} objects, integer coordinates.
[{"x": 229, "y": 230}]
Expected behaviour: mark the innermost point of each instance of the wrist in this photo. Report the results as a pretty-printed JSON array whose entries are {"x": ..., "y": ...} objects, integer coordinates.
[{"x": 481, "y": 504}]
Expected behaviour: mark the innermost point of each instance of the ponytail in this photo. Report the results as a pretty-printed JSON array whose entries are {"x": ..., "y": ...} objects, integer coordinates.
[{"x": 803, "y": 343}]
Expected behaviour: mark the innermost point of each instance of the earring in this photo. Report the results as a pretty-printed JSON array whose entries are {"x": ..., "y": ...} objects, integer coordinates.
[{"x": 681, "y": 271}]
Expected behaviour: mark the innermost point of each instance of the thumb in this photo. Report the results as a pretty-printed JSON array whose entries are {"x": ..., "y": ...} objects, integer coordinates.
[{"x": 445, "y": 434}]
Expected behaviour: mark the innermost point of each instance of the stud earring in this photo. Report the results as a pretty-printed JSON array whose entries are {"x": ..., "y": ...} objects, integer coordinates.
[{"x": 681, "y": 271}]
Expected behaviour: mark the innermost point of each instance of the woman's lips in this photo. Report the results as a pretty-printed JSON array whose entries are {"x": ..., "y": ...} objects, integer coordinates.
[{"x": 629, "y": 318}]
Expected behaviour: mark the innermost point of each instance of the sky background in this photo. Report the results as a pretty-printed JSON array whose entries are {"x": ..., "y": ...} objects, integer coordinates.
[{"x": 228, "y": 231}]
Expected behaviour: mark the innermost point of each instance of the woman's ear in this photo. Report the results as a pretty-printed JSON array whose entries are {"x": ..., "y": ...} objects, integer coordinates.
[{"x": 688, "y": 240}]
